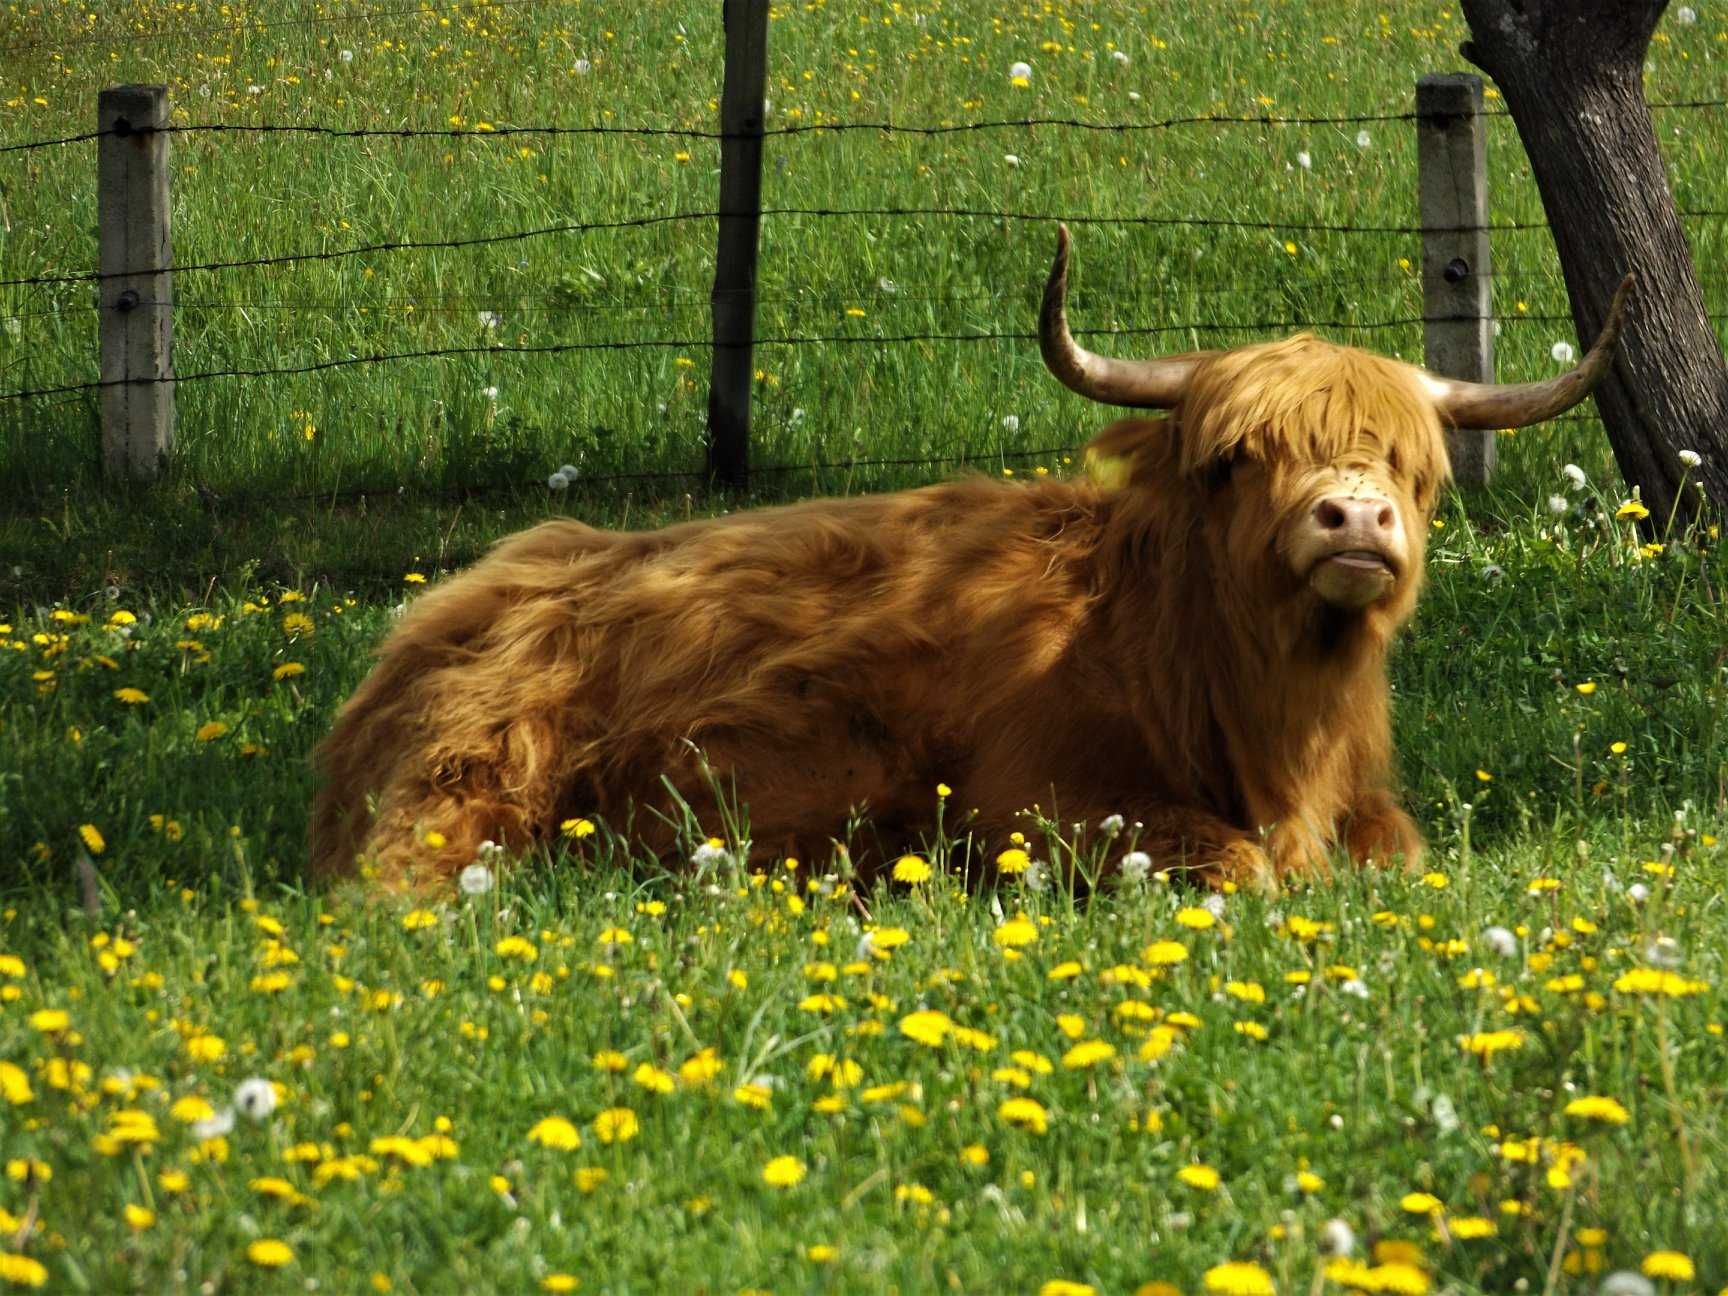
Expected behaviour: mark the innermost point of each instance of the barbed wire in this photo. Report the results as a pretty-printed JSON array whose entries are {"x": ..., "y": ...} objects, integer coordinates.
[
  {"x": 641, "y": 222},
  {"x": 1262, "y": 120},
  {"x": 873, "y": 293},
  {"x": 1257, "y": 327}
]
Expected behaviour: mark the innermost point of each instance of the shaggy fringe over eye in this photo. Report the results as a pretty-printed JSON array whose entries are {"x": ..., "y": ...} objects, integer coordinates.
[{"x": 1300, "y": 400}]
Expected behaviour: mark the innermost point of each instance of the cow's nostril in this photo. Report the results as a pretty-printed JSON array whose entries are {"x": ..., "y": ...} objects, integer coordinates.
[
  {"x": 1386, "y": 518},
  {"x": 1329, "y": 515}
]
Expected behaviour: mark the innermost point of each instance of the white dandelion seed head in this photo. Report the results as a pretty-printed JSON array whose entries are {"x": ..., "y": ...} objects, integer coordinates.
[
  {"x": 1363, "y": 139},
  {"x": 1575, "y": 475},
  {"x": 1337, "y": 1238},
  {"x": 490, "y": 319},
  {"x": 347, "y": 56},
  {"x": 1010, "y": 423},
  {"x": 1135, "y": 866},
  {"x": 569, "y": 471},
  {"x": 1637, "y": 893},
  {"x": 708, "y": 855},
  {"x": 1626, "y": 1283},
  {"x": 1036, "y": 877},
  {"x": 214, "y": 1126},
  {"x": 557, "y": 481},
  {"x": 1213, "y": 904},
  {"x": 1110, "y": 825},
  {"x": 581, "y": 67},
  {"x": 887, "y": 285},
  {"x": 1336, "y": 1120},
  {"x": 1685, "y": 15},
  {"x": 1493, "y": 571},
  {"x": 1558, "y": 505},
  {"x": 1121, "y": 56},
  {"x": 1012, "y": 159},
  {"x": 255, "y": 1098},
  {"x": 1020, "y": 72},
  {"x": 1445, "y": 1114},
  {"x": 254, "y": 89},
  {"x": 1305, "y": 160},
  {"x": 1562, "y": 352},
  {"x": 476, "y": 879},
  {"x": 1500, "y": 941},
  {"x": 1690, "y": 458},
  {"x": 1355, "y": 987},
  {"x": 1664, "y": 952},
  {"x": 1133, "y": 96}
]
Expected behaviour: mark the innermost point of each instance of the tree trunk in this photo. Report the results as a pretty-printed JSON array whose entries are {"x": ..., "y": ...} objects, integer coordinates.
[{"x": 1572, "y": 74}]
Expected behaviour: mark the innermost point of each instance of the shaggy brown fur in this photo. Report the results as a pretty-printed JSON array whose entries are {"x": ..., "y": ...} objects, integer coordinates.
[{"x": 1142, "y": 648}]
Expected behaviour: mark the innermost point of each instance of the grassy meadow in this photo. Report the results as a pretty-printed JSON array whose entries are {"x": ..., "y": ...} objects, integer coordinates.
[{"x": 1501, "y": 1072}]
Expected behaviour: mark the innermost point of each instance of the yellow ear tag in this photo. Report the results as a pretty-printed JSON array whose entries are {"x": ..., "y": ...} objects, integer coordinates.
[{"x": 1109, "y": 471}]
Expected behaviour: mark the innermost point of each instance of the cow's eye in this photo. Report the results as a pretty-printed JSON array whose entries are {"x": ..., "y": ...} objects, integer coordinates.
[
  {"x": 1220, "y": 471},
  {"x": 1394, "y": 460}
]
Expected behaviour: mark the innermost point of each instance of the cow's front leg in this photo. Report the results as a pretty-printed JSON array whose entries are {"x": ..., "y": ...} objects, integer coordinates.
[
  {"x": 1205, "y": 848},
  {"x": 1377, "y": 831}
]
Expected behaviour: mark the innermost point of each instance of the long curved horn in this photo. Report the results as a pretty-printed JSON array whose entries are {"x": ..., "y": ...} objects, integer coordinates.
[
  {"x": 1510, "y": 405},
  {"x": 1141, "y": 384}
]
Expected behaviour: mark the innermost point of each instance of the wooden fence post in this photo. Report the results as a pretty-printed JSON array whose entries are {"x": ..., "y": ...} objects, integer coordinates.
[
  {"x": 734, "y": 298},
  {"x": 136, "y": 292},
  {"x": 1452, "y": 180}
]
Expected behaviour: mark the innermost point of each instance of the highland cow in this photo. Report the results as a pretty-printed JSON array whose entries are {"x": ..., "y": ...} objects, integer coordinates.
[{"x": 1194, "y": 636}]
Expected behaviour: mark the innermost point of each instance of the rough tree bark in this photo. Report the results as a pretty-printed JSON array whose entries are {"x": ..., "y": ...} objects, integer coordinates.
[{"x": 1572, "y": 74}]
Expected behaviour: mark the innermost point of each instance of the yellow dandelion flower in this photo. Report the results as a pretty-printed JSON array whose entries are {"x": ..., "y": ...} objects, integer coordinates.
[
  {"x": 1164, "y": 953},
  {"x": 653, "y": 1078},
  {"x": 1202, "y": 1177},
  {"x": 784, "y": 1172},
  {"x": 1013, "y": 860},
  {"x": 616, "y": 1125},
  {"x": 1598, "y": 1108},
  {"x": 15, "y": 1085},
  {"x": 1015, "y": 933},
  {"x": 270, "y": 1253},
  {"x": 1088, "y": 1053},
  {"x": 556, "y": 1133},
  {"x": 50, "y": 1021},
  {"x": 1024, "y": 1113},
  {"x": 911, "y": 870},
  {"x": 131, "y": 696},
  {"x": 92, "y": 838},
  {"x": 1239, "y": 1278},
  {"x": 1195, "y": 918},
  {"x": 22, "y": 1270},
  {"x": 1676, "y": 1266}
]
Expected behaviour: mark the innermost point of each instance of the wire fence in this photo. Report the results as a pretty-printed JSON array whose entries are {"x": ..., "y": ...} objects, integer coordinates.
[{"x": 552, "y": 305}]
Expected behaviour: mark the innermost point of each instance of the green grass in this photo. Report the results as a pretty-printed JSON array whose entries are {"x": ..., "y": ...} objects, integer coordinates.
[
  {"x": 430, "y": 425},
  {"x": 1548, "y": 805},
  {"x": 196, "y": 790}
]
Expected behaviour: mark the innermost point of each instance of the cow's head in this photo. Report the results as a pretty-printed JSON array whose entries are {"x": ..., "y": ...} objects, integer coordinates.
[{"x": 1313, "y": 470}]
